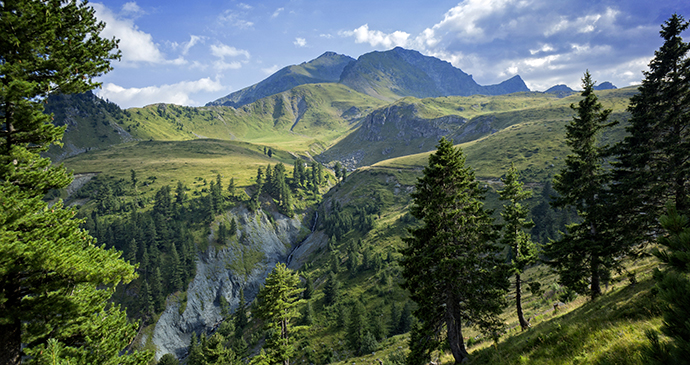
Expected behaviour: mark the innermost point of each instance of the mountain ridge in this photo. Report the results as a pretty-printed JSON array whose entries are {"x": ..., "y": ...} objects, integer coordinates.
[{"x": 387, "y": 75}]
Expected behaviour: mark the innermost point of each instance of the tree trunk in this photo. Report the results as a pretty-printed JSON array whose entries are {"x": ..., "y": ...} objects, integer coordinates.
[
  {"x": 596, "y": 278},
  {"x": 524, "y": 324},
  {"x": 595, "y": 287},
  {"x": 454, "y": 326},
  {"x": 11, "y": 343}
]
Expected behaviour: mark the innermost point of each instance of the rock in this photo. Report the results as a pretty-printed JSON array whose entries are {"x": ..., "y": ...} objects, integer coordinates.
[{"x": 219, "y": 273}]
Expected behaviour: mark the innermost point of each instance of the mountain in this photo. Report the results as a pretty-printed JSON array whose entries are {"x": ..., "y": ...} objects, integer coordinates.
[
  {"x": 399, "y": 72},
  {"x": 605, "y": 86},
  {"x": 560, "y": 90},
  {"x": 325, "y": 68},
  {"x": 90, "y": 122},
  {"x": 388, "y": 76}
]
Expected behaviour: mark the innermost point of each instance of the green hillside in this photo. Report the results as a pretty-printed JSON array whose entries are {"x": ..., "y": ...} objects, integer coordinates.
[
  {"x": 364, "y": 217},
  {"x": 306, "y": 119},
  {"x": 410, "y": 126}
]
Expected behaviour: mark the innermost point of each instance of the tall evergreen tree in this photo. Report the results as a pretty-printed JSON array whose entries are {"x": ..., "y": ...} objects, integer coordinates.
[
  {"x": 54, "y": 279},
  {"x": 673, "y": 285},
  {"x": 241, "y": 319},
  {"x": 450, "y": 265},
  {"x": 523, "y": 252},
  {"x": 586, "y": 253},
  {"x": 653, "y": 165},
  {"x": 276, "y": 306}
]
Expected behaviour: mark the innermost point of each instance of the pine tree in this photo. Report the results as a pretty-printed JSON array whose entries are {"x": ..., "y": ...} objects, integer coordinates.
[
  {"x": 332, "y": 289},
  {"x": 175, "y": 271},
  {"x": 450, "y": 265},
  {"x": 673, "y": 285},
  {"x": 157, "y": 289},
  {"x": 231, "y": 187},
  {"x": 585, "y": 254},
  {"x": 276, "y": 306},
  {"x": 50, "y": 269},
  {"x": 652, "y": 165},
  {"x": 241, "y": 319},
  {"x": 523, "y": 252},
  {"x": 308, "y": 288},
  {"x": 356, "y": 328}
]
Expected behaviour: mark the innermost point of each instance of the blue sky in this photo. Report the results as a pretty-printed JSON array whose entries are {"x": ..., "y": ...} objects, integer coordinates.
[{"x": 190, "y": 53}]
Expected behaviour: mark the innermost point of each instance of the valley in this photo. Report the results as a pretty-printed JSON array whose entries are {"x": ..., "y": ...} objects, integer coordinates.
[{"x": 199, "y": 187}]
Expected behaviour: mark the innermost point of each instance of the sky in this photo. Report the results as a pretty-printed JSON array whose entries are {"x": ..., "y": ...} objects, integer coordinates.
[{"x": 193, "y": 52}]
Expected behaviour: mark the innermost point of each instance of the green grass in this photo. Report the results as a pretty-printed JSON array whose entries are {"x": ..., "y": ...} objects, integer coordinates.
[
  {"x": 191, "y": 162},
  {"x": 411, "y": 126},
  {"x": 609, "y": 330},
  {"x": 306, "y": 119}
]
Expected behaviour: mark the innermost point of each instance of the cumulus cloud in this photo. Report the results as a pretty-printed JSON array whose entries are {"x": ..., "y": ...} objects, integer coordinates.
[
  {"x": 377, "y": 38},
  {"x": 136, "y": 46},
  {"x": 545, "y": 42},
  {"x": 179, "y": 93},
  {"x": 223, "y": 51},
  {"x": 300, "y": 42}
]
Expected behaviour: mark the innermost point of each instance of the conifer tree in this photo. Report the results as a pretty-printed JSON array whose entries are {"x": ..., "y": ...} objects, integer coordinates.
[
  {"x": 652, "y": 164},
  {"x": 276, "y": 306},
  {"x": 451, "y": 265},
  {"x": 523, "y": 252},
  {"x": 54, "y": 280},
  {"x": 241, "y": 319},
  {"x": 356, "y": 328},
  {"x": 308, "y": 288},
  {"x": 673, "y": 285},
  {"x": 586, "y": 253}
]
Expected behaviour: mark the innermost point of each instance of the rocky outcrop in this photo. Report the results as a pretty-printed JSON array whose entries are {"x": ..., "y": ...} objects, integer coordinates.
[{"x": 262, "y": 242}]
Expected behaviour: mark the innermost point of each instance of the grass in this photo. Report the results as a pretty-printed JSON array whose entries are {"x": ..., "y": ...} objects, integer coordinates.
[{"x": 191, "y": 162}]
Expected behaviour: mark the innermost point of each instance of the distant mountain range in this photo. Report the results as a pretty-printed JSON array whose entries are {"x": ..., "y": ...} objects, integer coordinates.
[{"x": 388, "y": 75}]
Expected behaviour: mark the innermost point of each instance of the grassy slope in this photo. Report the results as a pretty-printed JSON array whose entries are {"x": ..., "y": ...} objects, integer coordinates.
[
  {"x": 607, "y": 331},
  {"x": 307, "y": 118},
  {"x": 394, "y": 132},
  {"x": 534, "y": 141},
  {"x": 188, "y": 161}
]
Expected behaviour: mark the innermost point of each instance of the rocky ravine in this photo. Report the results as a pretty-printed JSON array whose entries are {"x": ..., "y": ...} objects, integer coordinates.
[{"x": 215, "y": 276}]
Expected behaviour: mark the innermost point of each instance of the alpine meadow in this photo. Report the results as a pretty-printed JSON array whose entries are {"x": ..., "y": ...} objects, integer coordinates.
[{"x": 386, "y": 209}]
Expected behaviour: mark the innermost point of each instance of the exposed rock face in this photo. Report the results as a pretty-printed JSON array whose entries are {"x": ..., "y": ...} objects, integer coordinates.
[{"x": 217, "y": 275}]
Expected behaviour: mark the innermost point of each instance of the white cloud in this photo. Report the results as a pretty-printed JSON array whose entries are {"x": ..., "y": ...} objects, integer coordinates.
[
  {"x": 136, "y": 45},
  {"x": 300, "y": 42},
  {"x": 221, "y": 51},
  {"x": 377, "y": 38},
  {"x": 277, "y": 12},
  {"x": 584, "y": 24},
  {"x": 235, "y": 19},
  {"x": 179, "y": 93},
  {"x": 544, "y": 48},
  {"x": 193, "y": 40},
  {"x": 464, "y": 20},
  {"x": 244, "y": 6},
  {"x": 132, "y": 8},
  {"x": 221, "y": 65}
]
